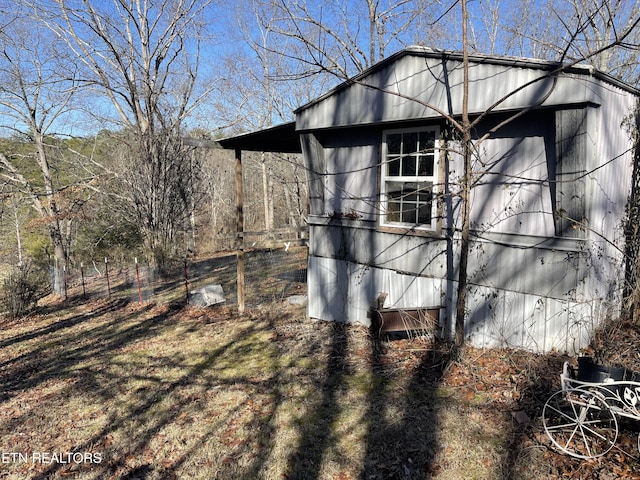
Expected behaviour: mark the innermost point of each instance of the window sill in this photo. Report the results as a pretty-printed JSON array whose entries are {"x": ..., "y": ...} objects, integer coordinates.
[{"x": 404, "y": 230}]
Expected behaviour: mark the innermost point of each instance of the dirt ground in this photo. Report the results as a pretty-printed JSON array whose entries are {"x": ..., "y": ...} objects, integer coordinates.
[{"x": 168, "y": 391}]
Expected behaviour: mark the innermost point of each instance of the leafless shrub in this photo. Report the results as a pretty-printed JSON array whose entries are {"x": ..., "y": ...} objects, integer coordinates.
[{"x": 22, "y": 289}]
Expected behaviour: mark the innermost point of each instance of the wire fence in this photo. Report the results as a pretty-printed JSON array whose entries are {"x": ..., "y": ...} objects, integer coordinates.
[{"x": 270, "y": 274}]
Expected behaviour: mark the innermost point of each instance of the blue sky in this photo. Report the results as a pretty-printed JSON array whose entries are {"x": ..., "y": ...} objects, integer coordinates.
[{"x": 246, "y": 80}]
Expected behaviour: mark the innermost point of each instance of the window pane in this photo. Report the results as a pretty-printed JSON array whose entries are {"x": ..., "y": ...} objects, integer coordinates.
[
  {"x": 393, "y": 144},
  {"x": 394, "y": 190},
  {"x": 427, "y": 142},
  {"x": 425, "y": 166},
  {"x": 394, "y": 204},
  {"x": 409, "y": 166},
  {"x": 410, "y": 196},
  {"x": 393, "y": 212},
  {"x": 410, "y": 143},
  {"x": 425, "y": 190},
  {"x": 393, "y": 167},
  {"x": 409, "y": 213},
  {"x": 425, "y": 198},
  {"x": 424, "y": 214}
]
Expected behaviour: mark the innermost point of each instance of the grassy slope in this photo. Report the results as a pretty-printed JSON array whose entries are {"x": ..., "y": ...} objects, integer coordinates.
[{"x": 165, "y": 391}]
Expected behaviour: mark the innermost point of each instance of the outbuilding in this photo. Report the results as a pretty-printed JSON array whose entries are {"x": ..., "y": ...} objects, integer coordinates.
[{"x": 553, "y": 171}]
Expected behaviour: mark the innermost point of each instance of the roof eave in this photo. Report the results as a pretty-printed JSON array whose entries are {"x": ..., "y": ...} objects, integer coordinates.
[{"x": 281, "y": 138}]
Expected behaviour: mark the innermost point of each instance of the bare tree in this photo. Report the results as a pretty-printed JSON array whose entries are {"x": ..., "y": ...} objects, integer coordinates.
[
  {"x": 143, "y": 59},
  {"x": 563, "y": 30},
  {"x": 342, "y": 38},
  {"x": 606, "y": 35},
  {"x": 37, "y": 86}
]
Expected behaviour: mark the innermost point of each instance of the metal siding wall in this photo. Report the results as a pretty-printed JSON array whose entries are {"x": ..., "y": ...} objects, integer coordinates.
[
  {"x": 572, "y": 161},
  {"x": 313, "y": 155},
  {"x": 609, "y": 186},
  {"x": 352, "y": 180},
  {"x": 539, "y": 292},
  {"x": 404, "y": 253},
  {"x": 343, "y": 291},
  {"x": 339, "y": 291},
  {"x": 539, "y": 271},
  {"x": 514, "y": 197},
  {"x": 425, "y": 80},
  {"x": 516, "y": 320}
]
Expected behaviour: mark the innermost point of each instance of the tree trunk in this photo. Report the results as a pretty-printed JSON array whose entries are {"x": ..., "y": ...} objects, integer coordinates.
[
  {"x": 51, "y": 210},
  {"x": 18, "y": 235},
  {"x": 466, "y": 189}
]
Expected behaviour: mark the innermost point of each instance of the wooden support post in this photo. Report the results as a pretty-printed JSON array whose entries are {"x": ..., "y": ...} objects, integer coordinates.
[{"x": 240, "y": 231}]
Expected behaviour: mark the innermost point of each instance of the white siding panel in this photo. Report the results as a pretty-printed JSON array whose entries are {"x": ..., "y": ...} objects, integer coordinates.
[
  {"x": 339, "y": 291},
  {"x": 501, "y": 318},
  {"x": 407, "y": 291},
  {"x": 609, "y": 186},
  {"x": 539, "y": 271},
  {"x": 344, "y": 292}
]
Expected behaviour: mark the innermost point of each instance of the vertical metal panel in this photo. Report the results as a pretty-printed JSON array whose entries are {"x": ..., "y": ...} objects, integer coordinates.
[
  {"x": 571, "y": 164},
  {"x": 352, "y": 178},
  {"x": 513, "y": 196},
  {"x": 340, "y": 291},
  {"x": 436, "y": 86},
  {"x": 509, "y": 319},
  {"x": 315, "y": 163},
  {"x": 609, "y": 184},
  {"x": 343, "y": 291}
]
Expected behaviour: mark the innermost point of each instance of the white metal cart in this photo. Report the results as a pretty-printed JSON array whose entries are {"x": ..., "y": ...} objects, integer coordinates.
[{"x": 581, "y": 419}]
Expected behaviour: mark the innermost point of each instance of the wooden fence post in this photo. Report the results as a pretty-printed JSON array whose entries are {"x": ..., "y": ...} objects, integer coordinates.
[
  {"x": 186, "y": 281},
  {"x": 84, "y": 290},
  {"x": 138, "y": 280},
  {"x": 64, "y": 281},
  {"x": 106, "y": 272}
]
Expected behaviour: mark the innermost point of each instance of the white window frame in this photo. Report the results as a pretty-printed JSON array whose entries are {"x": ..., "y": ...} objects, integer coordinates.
[{"x": 387, "y": 179}]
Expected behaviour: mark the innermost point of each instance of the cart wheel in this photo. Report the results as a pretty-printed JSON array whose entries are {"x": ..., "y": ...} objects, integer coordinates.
[{"x": 580, "y": 423}]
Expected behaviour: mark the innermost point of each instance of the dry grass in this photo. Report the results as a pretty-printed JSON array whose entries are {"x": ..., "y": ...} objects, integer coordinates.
[{"x": 166, "y": 391}]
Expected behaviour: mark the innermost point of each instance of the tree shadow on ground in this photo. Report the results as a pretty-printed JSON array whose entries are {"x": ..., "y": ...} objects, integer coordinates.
[
  {"x": 164, "y": 391},
  {"x": 397, "y": 426},
  {"x": 403, "y": 438},
  {"x": 131, "y": 396}
]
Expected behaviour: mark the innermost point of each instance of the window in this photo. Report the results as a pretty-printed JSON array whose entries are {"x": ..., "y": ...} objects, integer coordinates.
[{"x": 409, "y": 173}]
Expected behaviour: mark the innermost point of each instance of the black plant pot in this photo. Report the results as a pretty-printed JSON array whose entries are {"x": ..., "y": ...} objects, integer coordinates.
[{"x": 589, "y": 371}]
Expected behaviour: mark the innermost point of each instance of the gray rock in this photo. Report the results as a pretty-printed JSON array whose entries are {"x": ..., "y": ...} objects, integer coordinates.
[
  {"x": 207, "y": 296},
  {"x": 297, "y": 300}
]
